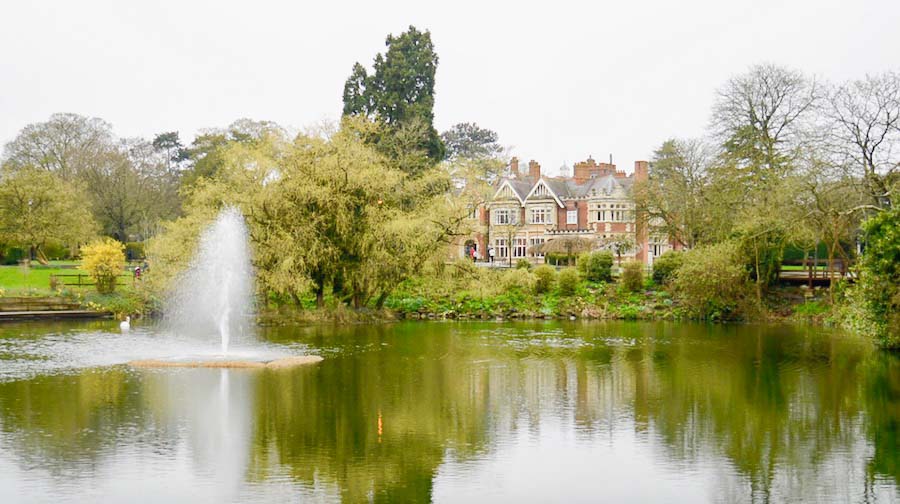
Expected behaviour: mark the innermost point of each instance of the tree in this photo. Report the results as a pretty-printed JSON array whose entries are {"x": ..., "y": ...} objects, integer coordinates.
[
  {"x": 169, "y": 144},
  {"x": 327, "y": 211},
  {"x": 675, "y": 196},
  {"x": 36, "y": 206},
  {"x": 66, "y": 144},
  {"x": 469, "y": 141},
  {"x": 760, "y": 118},
  {"x": 865, "y": 133},
  {"x": 400, "y": 90}
]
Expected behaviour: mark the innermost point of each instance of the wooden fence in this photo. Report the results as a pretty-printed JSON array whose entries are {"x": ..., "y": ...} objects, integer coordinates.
[{"x": 85, "y": 280}]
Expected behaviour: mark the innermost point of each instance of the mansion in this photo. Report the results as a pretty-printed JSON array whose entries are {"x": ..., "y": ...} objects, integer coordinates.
[{"x": 529, "y": 209}]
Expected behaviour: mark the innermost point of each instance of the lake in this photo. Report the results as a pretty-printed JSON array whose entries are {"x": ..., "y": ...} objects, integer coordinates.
[{"x": 455, "y": 412}]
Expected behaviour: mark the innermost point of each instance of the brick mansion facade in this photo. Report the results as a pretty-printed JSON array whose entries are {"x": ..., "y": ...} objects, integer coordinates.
[{"x": 595, "y": 203}]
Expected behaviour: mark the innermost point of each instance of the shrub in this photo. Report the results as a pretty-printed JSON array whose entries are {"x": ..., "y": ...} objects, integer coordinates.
[
  {"x": 632, "y": 276},
  {"x": 596, "y": 266},
  {"x": 103, "y": 260},
  {"x": 712, "y": 282},
  {"x": 557, "y": 259},
  {"x": 134, "y": 251},
  {"x": 568, "y": 281},
  {"x": 55, "y": 251},
  {"x": 12, "y": 256},
  {"x": 664, "y": 266},
  {"x": 523, "y": 264},
  {"x": 877, "y": 295},
  {"x": 545, "y": 279},
  {"x": 518, "y": 279}
]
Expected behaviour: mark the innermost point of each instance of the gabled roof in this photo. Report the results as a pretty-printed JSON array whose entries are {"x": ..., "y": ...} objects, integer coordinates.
[
  {"x": 520, "y": 188},
  {"x": 548, "y": 183}
]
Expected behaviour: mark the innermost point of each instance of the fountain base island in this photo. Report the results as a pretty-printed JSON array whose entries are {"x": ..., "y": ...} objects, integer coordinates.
[
  {"x": 280, "y": 363},
  {"x": 213, "y": 300}
]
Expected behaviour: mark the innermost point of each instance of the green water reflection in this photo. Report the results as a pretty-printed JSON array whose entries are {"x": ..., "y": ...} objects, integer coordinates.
[{"x": 419, "y": 412}]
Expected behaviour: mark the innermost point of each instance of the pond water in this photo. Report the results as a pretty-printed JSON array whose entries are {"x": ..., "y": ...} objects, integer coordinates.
[{"x": 455, "y": 412}]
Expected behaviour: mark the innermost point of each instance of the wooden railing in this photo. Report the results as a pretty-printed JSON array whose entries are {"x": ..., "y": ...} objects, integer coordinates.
[{"x": 85, "y": 280}]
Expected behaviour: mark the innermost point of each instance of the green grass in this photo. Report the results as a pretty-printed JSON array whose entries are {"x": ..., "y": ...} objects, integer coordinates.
[
  {"x": 17, "y": 277},
  {"x": 36, "y": 279},
  {"x": 797, "y": 267}
]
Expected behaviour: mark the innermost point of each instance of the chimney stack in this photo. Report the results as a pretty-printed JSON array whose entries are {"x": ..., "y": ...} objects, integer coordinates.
[
  {"x": 641, "y": 170},
  {"x": 514, "y": 167},
  {"x": 534, "y": 169}
]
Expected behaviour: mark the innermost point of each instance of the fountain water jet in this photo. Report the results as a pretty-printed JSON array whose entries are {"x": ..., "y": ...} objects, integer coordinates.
[{"x": 214, "y": 299}]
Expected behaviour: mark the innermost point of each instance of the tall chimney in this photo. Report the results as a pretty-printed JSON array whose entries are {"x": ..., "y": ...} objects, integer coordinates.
[
  {"x": 514, "y": 167},
  {"x": 640, "y": 170},
  {"x": 534, "y": 169}
]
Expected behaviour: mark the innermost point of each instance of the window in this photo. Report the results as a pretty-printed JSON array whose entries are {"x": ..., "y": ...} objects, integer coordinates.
[
  {"x": 656, "y": 249},
  {"x": 572, "y": 217},
  {"x": 501, "y": 216},
  {"x": 500, "y": 245},
  {"x": 473, "y": 213},
  {"x": 521, "y": 248},
  {"x": 535, "y": 242},
  {"x": 540, "y": 216}
]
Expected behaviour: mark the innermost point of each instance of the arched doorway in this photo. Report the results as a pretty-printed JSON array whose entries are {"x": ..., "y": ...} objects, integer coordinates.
[{"x": 470, "y": 249}]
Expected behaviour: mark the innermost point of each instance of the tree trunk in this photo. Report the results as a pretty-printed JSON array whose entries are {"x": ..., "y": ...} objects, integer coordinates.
[
  {"x": 379, "y": 303},
  {"x": 320, "y": 296}
]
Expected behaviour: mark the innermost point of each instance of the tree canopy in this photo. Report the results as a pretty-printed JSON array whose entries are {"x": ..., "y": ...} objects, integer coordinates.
[{"x": 399, "y": 91}]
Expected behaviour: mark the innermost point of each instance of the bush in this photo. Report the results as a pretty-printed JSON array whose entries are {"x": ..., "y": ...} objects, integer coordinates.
[
  {"x": 134, "y": 251},
  {"x": 712, "y": 282},
  {"x": 596, "y": 266},
  {"x": 103, "y": 260},
  {"x": 518, "y": 279},
  {"x": 55, "y": 251},
  {"x": 12, "y": 256},
  {"x": 664, "y": 266},
  {"x": 568, "y": 281},
  {"x": 878, "y": 291},
  {"x": 523, "y": 264},
  {"x": 558, "y": 259},
  {"x": 632, "y": 276},
  {"x": 545, "y": 279}
]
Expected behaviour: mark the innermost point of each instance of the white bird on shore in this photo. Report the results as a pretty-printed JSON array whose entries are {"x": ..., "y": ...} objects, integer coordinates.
[{"x": 126, "y": 325}]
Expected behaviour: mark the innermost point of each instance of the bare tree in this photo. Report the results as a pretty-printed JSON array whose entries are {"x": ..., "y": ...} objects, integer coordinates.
[
  {"x": 760, "y": 115},
  {"x": 66, "y": 144},
  {"x": 673, "y": 198},
  {"x": 865, "y": 133}
]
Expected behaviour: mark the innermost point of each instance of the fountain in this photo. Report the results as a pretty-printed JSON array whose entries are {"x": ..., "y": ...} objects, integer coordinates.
[
  {"x": 214, "y": 296},
  {"x": 213, "y": 299}
]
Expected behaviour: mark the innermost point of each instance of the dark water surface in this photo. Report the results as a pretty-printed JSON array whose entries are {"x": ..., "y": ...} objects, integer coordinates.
[{"x": 456, "y": 412}]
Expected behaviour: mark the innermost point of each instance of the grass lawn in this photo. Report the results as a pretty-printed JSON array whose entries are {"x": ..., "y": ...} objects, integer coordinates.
[
  {"x": 793, "y": 267},
  {"x": 38, "y": 278},
  {"x": 16, "y": 279}
]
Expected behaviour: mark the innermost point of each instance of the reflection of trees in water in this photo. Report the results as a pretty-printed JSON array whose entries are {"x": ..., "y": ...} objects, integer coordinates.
[
  {"x": 56, "y": 420},
  {"x": 793, "y": 415}
]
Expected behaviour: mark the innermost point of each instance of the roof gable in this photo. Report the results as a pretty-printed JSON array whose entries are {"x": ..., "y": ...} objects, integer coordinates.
[{"x": 542, "y": 189}]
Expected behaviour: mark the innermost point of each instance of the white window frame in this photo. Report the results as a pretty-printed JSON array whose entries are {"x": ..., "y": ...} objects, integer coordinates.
[
  {"x": 572, "y": 217},
  {"x": 500, "y": 247},
  {"x": 539, "y": 215},
  {"x": 502, "y": 216},
  {"x": 521, "y": 247},
  {"x": 535, "y": 242}
]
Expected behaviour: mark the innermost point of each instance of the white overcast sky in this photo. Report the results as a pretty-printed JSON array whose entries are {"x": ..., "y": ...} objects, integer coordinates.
[{"x": 558, "y": 81}]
